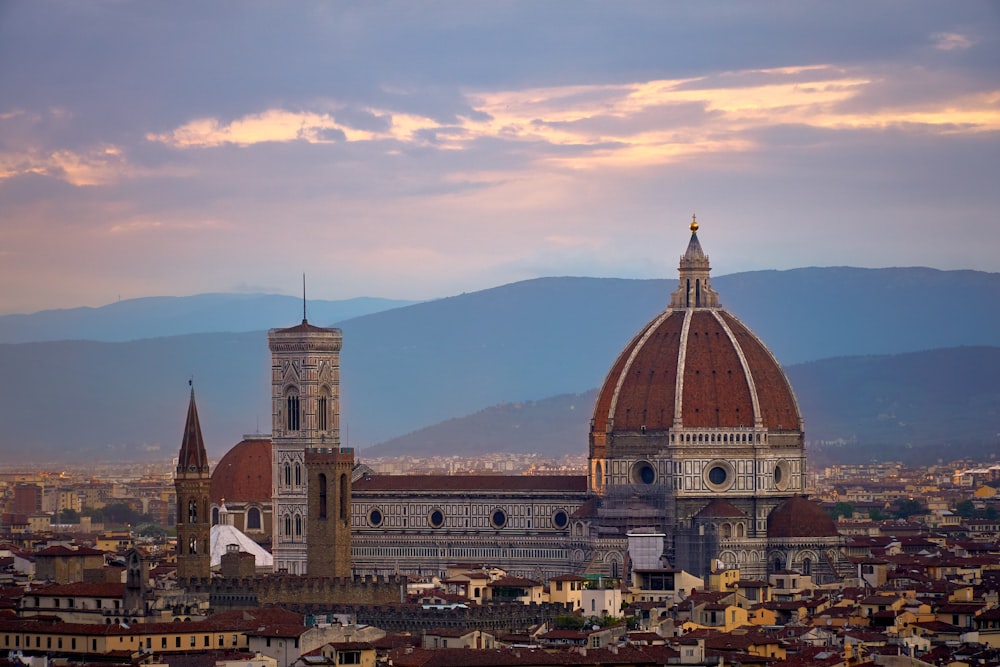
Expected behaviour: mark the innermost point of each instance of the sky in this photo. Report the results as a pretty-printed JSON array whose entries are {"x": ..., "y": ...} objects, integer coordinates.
[{"x": 423, "y": 149}]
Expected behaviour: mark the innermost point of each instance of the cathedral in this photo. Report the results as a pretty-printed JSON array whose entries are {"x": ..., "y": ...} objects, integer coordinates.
[{"x": 696, "y": 434}]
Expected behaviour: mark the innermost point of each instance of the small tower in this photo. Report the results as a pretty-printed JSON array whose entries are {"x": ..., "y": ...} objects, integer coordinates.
[
  {"x": 136, "y": 584},
  {"x": 693, "y": 290},
  {"x": 328, "y": 551},
  {"x": 193, "y": 483}
]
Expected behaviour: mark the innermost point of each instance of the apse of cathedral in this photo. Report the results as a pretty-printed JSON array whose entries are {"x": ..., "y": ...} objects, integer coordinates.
[{"x": 696, "y": 435}]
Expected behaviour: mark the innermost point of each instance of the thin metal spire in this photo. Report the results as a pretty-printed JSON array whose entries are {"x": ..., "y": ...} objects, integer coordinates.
[{"x": 303, "y": 297}]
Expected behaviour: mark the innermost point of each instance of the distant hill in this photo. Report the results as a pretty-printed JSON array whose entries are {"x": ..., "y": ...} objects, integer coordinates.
[
  {"x": 159, "y": 316},
  {"x": 919, "y": 406},
  {"x": 418, "y": 365}
]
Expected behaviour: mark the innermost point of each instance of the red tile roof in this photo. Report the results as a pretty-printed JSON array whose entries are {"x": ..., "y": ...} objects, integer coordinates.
[{"x": 484, "y": 483}]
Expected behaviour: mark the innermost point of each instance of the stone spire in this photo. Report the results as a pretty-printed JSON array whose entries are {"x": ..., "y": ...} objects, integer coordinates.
[
  {"x": 192, "y": 457},
  {"x": 693, "y": 289},
  {"x": 193, "y": 484}
]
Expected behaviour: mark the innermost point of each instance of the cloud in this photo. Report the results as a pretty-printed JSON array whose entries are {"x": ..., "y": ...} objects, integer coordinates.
[{"x": 951, "y": 41}]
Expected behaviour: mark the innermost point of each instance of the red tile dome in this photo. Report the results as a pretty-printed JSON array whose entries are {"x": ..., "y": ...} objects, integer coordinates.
[
  {"x": 799, "y": 517},
  {"x": 693, "y": 366},
  {"x": 243, "y": 475},
  {"x": 727, "y": 378}
]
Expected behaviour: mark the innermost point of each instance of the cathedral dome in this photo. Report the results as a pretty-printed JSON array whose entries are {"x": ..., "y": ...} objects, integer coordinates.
[
  {"x": 799, "y": 517},
  {"x": 243, "y": 475},
  {"x": 694, "y": 366}
]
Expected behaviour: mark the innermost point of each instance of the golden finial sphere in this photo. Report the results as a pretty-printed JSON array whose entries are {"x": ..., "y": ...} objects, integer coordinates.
[{"x": 694, "y": 223}]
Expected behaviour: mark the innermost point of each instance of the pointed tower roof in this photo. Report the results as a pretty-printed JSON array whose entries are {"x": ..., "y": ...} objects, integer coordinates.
[
  {"x": 694, "y": 289},
  {"x": 192, "y": 457}
]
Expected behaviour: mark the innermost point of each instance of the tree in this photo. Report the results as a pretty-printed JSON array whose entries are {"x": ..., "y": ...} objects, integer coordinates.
[
  {"x": 966, "y": 508},
  {"x": 906, "y": 508},
  {"x": 842, "y": 509}
]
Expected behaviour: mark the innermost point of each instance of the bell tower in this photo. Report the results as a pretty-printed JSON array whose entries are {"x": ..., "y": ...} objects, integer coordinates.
[
  {"x": 305, "y": 413},
  {"x": 192, "y": 483}
]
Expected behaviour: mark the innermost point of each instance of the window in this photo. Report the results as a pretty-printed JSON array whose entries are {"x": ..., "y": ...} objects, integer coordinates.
[
  {"x": 321, "y": 479},
  {"x": 288, "y": 525},
  {"x": 321, "y": 413},
  {"x": 193, "y": 644},
  {"x": 298, "y": 525},
  {"x": 292, "y": 408},
  {"x": 177, "y": 642},
  {"x": 345, "y": 497},
  {"x": 288, "y": 474},
  {"x": 192, "y": 511},
  {"x": 253, "y": 519},
  {"x": 298, "y": 475}
]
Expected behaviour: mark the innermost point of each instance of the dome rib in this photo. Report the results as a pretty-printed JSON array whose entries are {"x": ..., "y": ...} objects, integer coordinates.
[{"x": 747, "y": 373}]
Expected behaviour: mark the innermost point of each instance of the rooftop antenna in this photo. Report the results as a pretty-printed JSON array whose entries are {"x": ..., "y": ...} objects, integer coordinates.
[{"x": 303, "y": 297}]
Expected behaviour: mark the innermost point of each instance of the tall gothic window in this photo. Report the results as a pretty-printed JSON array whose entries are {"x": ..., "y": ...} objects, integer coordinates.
[
  {"x": 292, "y": 412},
  {"x": 288, "y": 525},
  {"x": 298, "y": 475},
  {"x": 322, "y": 408},
  {"x": 288, "y": 474},
  {"x": 193, "y": 545},
  {"x": 192, "y": 511},
  {"x": 298, "y": 525},
  {"x": 321, "y": 479},
  {"x": 345, "y": 497}
]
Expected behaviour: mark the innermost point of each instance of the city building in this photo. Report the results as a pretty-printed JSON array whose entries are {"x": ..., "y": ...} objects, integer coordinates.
[{"x": 696, "y": 434}]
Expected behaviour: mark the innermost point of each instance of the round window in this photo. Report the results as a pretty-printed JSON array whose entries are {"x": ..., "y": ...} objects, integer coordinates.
[
  {"x": 782, "y": 475},
  {"x": 643, "y": 473},
  {"x": 717, "y": 475},
  {"x": 560, "y": 519},
  {"x": 435, "y": 518},
  {"x": 375, "y": 518},
  {"x": 499, "y": 518}
]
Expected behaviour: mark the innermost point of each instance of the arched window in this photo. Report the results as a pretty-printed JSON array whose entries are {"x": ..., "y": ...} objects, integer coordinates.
[
  {"x": 192, "y": 511},
  {"x": 727, "y": 531},
  {"x": 288, "y": 524},
  {"x": 322, "y": 410},
  {"x": 253, "y": 519},
  {"x": 288, "y": 474},
  {"x": 321, "y": 482},
  {"x": 193, "y": 545},
  {"x": 807, "y": 566},
  {"x": 215, "y": 516},
  {"x": 298, "y": 475},
  {"x": 345, "y": 498},
  {"x": 292, "y": 412},
  {"x": 298, "y": 525}
]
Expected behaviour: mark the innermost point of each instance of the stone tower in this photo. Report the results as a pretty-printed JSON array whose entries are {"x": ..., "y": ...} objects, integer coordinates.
[
  {"x": 305, "y": 397},
  {"x": 193, "y": 485},
  {"x": 329, "y": 511}
]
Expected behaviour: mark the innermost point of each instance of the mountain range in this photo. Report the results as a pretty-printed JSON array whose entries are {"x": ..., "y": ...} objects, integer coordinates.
[{"x": 847, "y": 337}]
